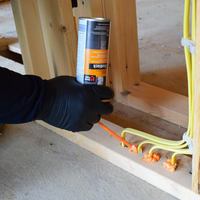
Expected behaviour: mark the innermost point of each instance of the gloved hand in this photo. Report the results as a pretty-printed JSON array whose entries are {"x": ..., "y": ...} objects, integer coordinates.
[{"x": 75, "y": 107}]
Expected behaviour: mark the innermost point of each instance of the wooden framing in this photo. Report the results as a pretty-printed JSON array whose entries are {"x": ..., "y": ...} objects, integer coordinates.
[
  {"x": 30, "y": 37},
  {"x": 48, "y": 38},
  {"x": 157, "y": 102},
  {"x": 59, "y": 36},
  {"x": 4, "y": 42},
  {"x": 196, "y": 155}
]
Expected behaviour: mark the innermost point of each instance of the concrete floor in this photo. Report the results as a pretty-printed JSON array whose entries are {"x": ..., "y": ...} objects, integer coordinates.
[
  {"x": 162, "y": 60},
  {"x": 39, "y": 164}
]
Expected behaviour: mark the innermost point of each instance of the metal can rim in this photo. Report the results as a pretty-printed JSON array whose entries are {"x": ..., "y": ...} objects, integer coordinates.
[{"x": 99, "y": 19}]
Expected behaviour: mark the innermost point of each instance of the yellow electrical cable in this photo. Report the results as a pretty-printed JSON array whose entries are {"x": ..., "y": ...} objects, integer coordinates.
[
  {"x": 150, "y": 137},
  {"x": 184, "y": 151},
  {"x": 155, "y": 143},
  {"x": 186, "y": 35}
]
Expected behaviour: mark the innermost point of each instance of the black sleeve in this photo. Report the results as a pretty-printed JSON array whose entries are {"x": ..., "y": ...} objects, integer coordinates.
[{"x": 21, "y": 96}]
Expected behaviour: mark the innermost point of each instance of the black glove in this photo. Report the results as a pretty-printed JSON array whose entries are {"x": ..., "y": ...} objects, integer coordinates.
[{"x": 75, "y": 107}]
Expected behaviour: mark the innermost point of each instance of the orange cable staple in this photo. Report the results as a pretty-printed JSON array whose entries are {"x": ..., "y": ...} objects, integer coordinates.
[{"x": 169, "y": 165}]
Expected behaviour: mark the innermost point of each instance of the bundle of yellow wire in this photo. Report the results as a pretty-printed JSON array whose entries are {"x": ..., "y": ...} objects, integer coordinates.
[{"x": 178, "y": 147}]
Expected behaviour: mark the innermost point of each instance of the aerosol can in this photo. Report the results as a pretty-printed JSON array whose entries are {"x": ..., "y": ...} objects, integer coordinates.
[{"x": 93, "y": 50}]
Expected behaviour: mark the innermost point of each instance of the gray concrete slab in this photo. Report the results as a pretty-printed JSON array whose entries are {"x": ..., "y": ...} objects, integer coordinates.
[{"x": 36, "y": 163}]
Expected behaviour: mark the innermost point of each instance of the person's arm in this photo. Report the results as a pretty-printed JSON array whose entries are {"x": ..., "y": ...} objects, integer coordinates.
[
  {"x": 61, "y": 102},
  {"x": 21, "y": 96}
]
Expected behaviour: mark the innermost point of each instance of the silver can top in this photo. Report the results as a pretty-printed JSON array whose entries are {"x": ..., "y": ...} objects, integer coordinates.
[{"x": 95, "y": 19}]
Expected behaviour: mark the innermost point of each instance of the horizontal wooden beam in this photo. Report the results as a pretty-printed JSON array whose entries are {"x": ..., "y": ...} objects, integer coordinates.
[
  {"x": 107, "y": 147},
  {"x": 4, "y": 42},
  {"x": 156, "y": 101},
  {"x": 15, "y": 47},
  {"x": 12, "y": 65}
]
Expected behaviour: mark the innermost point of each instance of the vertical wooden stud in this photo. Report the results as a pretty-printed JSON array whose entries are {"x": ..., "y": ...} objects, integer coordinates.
[
  {"x": 124, "y": 54},
  {"x": 88, "y": 8},
  {"x": 196, "y": 138},
  {"x": 60, "y": 35},
  {"x": 30, "y": 37}
]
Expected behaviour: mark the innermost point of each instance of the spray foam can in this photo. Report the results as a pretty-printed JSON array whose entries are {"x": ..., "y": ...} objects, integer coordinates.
[{"x": 93, "y": 48}]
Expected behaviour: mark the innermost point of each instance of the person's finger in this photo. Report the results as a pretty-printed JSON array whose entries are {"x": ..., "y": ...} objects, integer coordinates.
[
  {"x": 93, "y": 119},
  {"x": 104, "y": 92},
  {"x": 105, "y": 108},
  {"x": 84, "y": 126}
]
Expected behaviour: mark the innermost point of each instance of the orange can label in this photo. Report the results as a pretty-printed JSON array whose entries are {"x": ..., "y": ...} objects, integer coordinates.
[{"x": 96, "y": 62}]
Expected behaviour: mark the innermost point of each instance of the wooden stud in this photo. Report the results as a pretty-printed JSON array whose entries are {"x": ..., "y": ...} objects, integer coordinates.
[
  {"x": 60, "y": 36},
  {"x": 88, "y": 8},
  {"x": 196, "y": 138},
  {"x": 30, "y": 37},
  {"x": 124, "y": 55}
]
